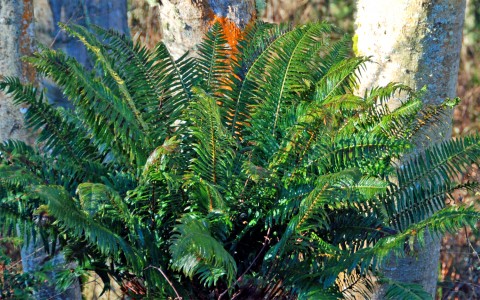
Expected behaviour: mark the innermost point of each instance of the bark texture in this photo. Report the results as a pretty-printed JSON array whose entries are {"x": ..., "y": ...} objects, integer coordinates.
[
  {"x": 416, "y": 42},
  {"x": 16, "y": 40},
  {"x": 184, "y": 22}
]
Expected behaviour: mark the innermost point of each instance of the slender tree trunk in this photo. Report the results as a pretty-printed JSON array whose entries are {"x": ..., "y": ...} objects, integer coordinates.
[
  {"x": 16, "y": 40},
  {"x": 184, "y": 22},
  {"x": 416, "y": 42}
]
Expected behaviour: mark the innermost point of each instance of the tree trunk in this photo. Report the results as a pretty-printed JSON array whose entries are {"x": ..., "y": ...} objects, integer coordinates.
[
  {"x": 416, "y": 42},
  {"x": 184, "y": 22},
  {"x": 16, "y": 40}
]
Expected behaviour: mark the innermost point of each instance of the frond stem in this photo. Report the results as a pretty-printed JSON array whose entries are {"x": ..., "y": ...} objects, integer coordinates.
[{"x": 178, "y": 297}]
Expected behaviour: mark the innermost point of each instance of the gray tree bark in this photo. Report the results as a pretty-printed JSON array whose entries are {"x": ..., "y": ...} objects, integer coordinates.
[
  {"x": 16, "y": 41},
  {"x": 416, "y": 42},
  {"x": 184, "y": 22}
]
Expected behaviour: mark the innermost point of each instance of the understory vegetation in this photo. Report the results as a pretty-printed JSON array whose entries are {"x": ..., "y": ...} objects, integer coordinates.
[{"x": 243, "y": 171}]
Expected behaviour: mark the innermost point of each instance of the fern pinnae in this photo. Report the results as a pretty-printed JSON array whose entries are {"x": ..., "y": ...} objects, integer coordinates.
[
  {"x": 282, "y": 89},
  {"x": 139, "y": 57},
  {"x": 40, "y": 114},
  {"x": 447, "y": 158},
  {"x": 247, "y": 85},
  {"x": 306, "y": 211},
  {"x": 62, "y": 207},
  {"x": 85, "y": 37},
  {"x": 344, "y": 74},
  {"x": 87, "y": 91}
]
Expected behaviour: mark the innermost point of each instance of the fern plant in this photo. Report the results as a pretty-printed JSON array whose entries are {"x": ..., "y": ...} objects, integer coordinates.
[{"x": 248, "y": 173}]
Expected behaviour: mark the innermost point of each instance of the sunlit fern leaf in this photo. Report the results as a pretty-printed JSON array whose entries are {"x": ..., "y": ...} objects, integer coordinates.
[
  {"x": 341, "y": 78},
  {"x": 213, "y": 61},
  {"x": 330, "y": 54},
  {"x": 195, "y": 252},
  {"x": 212, "y": 144},
  {"x": 94, "y": 46},
  {"x": 146, "y": 74},
  {"x": 116, "y": 83},
  {"x": 380, "y": 118},
  {"x": 78, "y": 223},
  {"x": 239, "y": 97},
  {"x": 431, "y": 118},
  {"x": 158, "y": 83},
  {"x": 371, "y": 153},
  {"x": 278, "y": 74},
  {"x": 97, "y": 106}
]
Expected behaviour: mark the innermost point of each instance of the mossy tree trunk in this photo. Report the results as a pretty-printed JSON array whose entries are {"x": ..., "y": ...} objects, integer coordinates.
[
  {"x": 184, "y": 22},
  {"x": 416, "y": 42}
]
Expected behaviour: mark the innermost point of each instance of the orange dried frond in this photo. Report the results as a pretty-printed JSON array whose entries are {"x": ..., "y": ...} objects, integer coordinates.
[{"x": 232, "y": 32}]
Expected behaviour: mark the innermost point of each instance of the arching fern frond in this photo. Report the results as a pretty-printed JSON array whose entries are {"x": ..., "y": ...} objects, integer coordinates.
[
  {"x": 95, "y": 47},
  {"x": 97, "y": 105},
  {"x": 195, "y": 252},
  {"x": 212, "y": 144},
  {"x": 57, "y": 134},
  {"x": 424, "y": 180},
  {"x": 213, "y": 61},
  {"x": 78, "y": 223}
]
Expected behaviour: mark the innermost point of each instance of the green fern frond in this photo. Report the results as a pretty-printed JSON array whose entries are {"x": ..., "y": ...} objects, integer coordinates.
[
  {"x": 213, "y": 61},
  {"x": 448, "y": 219},
  {"x": 282, "y": 74},
  {"x": 212, "y": 145},
  {"x": 152, "y": 78},
  {"x": 405, "y": 291},
  {"x": 17, "y": 176},
  {"x": 194, "y": 251},
  {"x": 97, "y": 105},
  {"x": 250, "y": 61},
  {"x": 369, "y": 152},
  {"x": 57, "y": 134},
  {"x": 78, "y": 223},
  {"x": 424, "y": 179},
  {"x": 95, "y": 47},
  {"x": 341, "y": 78},
  {"x": 432, "y": 117}
]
